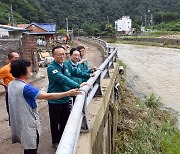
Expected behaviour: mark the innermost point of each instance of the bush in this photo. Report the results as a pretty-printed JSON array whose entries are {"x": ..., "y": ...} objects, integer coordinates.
[
  {"x": 144, "y": 130},
  {"x": 169, "y": 26},
  {"x": 153, "y": 101}
]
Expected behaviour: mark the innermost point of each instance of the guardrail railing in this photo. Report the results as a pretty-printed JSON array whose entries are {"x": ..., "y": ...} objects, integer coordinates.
[
  {"x": 103, "y": 43},
  {"x": 78, "y": 118}
]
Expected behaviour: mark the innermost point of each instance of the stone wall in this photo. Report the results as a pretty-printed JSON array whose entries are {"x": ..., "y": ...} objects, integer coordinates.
[
  {"x": 6, "y": 46},
  {"x": 27, "y": 47}
]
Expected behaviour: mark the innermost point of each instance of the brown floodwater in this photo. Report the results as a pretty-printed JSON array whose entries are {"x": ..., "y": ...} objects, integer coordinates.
[{"x": 153, "y": 70}]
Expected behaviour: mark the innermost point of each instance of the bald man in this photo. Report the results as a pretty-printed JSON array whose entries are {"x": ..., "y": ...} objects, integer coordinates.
[{"x": 5, "y": 75}]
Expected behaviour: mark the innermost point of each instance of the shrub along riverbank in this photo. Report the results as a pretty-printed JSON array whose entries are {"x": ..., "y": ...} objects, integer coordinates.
[
  {"x": 169, "y": 39},
  {"x": 145, "y": 127}
]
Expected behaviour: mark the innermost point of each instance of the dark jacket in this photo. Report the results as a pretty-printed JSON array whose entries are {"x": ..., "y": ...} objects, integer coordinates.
[
  {"x": 70, "y": 67},
  {"x": 59, "y": 80}
]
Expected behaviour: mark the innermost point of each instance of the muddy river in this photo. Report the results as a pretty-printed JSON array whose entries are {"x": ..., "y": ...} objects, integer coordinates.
[{"x": 153, "y": 70}]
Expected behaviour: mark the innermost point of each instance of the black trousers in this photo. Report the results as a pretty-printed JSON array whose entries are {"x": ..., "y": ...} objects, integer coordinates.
[
  {"x": 59, "y": 114},
  {"x": 32, "y": 151},
  {"x": 7, "y": 107}
]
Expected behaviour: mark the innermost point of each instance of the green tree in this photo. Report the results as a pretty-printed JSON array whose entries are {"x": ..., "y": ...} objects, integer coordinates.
[
  {"x": 62, "y": 31},
  {"x": 88, "y": 29}
]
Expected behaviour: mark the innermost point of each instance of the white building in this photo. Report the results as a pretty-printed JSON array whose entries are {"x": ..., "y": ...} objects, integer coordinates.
[{"x": 123, "y": 25}]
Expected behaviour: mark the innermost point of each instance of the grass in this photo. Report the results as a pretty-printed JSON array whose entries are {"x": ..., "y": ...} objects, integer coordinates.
[
  {"x": 109, "y": 40},
  {"x": 171, "y": 143},
  {"x": 152, "y": 34},
  {"x": 143, "y": 128},
  {"x": 162, "y": 33},
  {"x": 121, "y": 63},
  {"x": 149, "y": 44},
  {"x": 153, "y": 101}
]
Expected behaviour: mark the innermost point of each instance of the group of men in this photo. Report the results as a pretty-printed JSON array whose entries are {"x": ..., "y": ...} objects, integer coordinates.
[{"x": 65, "y": 77}]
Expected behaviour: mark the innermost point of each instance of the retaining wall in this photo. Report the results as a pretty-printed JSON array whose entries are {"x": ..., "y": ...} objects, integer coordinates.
[{"x": 165, "y": 41}]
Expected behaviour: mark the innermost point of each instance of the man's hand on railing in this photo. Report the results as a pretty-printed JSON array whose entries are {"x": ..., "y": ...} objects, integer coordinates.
[
  {"x": 74, "y": 92},
  {"x": 92, "y": 74},
  {"x": 84, "y": 83},
  {"x": 94, "y": 68}
]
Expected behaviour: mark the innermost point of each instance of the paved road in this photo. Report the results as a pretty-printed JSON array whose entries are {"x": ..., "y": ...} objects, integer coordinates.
[{"x": 153, "y": 69}]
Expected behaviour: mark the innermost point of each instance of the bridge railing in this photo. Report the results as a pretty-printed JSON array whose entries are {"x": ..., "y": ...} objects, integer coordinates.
[
  {"x": 78, "y": 119},
  {"x": 103, "y": 43}
]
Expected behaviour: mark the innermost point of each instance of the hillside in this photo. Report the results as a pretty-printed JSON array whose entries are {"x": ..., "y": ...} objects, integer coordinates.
[
  {"x": 23, "y": 11},
  {"x": 79, "y": 12}
]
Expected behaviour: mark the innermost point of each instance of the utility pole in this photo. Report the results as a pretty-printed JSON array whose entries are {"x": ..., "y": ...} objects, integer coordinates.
[
  {"x": 108, "y": 20},
  {"x": 12, "y": 17},
  {"x": 9, "y": 18},
  {"x": 67, "y": 25},
  {"x": 151, "y": 19},
  {"x": 142, "y": 24}
]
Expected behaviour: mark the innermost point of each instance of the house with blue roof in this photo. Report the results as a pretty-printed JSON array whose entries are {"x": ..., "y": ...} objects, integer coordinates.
[{"x": 47, "y": 30}]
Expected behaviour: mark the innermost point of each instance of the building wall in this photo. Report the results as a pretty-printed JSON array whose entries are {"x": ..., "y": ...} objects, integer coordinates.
[
  {"x": 35, "y": 28},
  {"x": 123, "y": 24},
  {"x": 3, "y": 32},
  {"x": 15, "y": 35},
  {"x": 29, "y": 49},
  {"x": 49, "y": 37}
]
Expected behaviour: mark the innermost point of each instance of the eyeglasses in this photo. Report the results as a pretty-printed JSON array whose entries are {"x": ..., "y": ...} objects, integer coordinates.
[{"x": 60, "y": 54}]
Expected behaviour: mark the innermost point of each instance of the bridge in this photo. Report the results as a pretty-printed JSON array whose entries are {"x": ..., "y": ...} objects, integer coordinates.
[{"x": 92, "y": 123}]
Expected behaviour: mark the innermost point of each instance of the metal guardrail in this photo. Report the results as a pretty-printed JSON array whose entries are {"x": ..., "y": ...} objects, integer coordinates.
[
  {"x": 101, "y": 42},
  {"x": 78, "y": 119},
  {"x": 97, "y": 40}
]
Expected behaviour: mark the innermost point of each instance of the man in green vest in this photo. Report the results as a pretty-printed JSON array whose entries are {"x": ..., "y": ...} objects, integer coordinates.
[
  {"x": 83, "y": 61},
  {"x": 72, "y": 62},
  {"x": 60, "y": 81}
]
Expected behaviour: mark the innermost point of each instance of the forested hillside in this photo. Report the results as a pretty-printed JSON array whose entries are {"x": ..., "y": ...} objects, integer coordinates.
[{"x": 79, "y": 12}]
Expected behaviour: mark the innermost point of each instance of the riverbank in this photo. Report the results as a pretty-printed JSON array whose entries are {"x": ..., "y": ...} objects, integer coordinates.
[
  {"x": 148, "y": 70},
  {"x": 152, "y": 70},
  {"x": 168, "y": 41},
  {"x": 143, "y": 127},
  {"x": 145, "y": 43}
]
